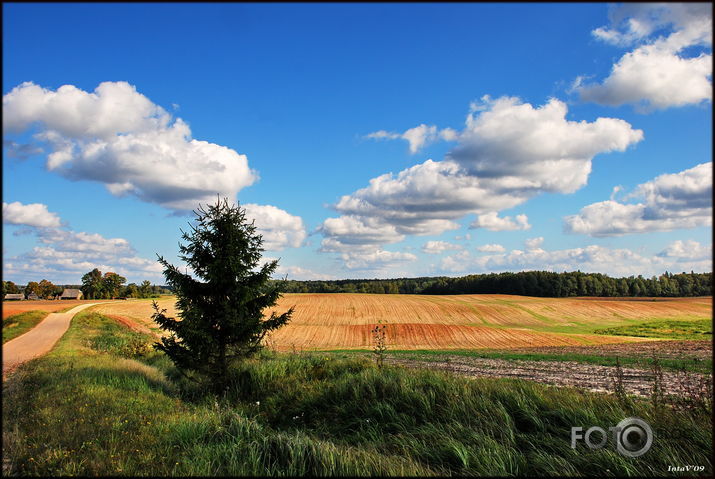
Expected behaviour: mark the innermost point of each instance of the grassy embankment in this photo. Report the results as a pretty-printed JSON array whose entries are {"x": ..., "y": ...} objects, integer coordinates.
[
  {"x": 18, "y": 324},
  {"x": 100, "y": 404},
  {"x": 665, "y": 329}
]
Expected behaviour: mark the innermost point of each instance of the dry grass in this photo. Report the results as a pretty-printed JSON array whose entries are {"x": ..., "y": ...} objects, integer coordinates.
[{"x": 343, "y": 321}]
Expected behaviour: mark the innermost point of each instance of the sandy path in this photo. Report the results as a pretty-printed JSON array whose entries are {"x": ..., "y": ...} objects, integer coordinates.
[{"x": 39, "y": 340}]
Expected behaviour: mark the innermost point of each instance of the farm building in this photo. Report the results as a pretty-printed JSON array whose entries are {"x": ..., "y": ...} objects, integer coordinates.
[
  {"x": 14, "y": 297},
  {"x": 71, "y": 294},
  {"x": 33, "y": 296}
]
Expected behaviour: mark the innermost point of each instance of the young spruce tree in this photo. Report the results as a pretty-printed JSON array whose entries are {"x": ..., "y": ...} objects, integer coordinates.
[{"x": 221, "y": 312}]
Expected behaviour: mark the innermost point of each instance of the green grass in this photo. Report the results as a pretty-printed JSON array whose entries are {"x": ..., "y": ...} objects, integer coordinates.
[
  {"x": 18, "y": 324},
  {"x": 665, "y": 329},
  {"x": 88, "y": 408}
]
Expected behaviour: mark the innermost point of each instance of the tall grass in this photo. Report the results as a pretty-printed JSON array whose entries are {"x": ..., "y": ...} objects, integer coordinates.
[{"x": 96, "y": 407}]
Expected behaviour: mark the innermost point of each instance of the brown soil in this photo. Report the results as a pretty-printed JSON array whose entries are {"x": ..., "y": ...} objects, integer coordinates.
[{"x": 588, "y": 376}]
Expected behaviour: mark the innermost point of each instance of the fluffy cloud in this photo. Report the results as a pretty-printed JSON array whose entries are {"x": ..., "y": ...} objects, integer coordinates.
[
  {"x": 63, "y": 255},
  {"x": 491, "y": 248},
  {"x": 418, "y": 137},
  {"x": 668, "y": 202},
  {"x": 66, "y": 255},
  {"x": 689, "y": 249},
  {"x": 279, "y": 228},
  {"x": 534, "y": 244},
  {"x": 118, "y": 137},
  {"x": 437, "y": 247},
  {"x": 520, "y": 151},
  {"x": 508, "y": 152},
  {"x": 34, "y": 214},
  {"x": 593, "y": 258},
  {"x": 657, "y": 74},
  {"x": 349, "y": 232},
  {"x": 492, "y": 222},
  {"x": 375, "y": 259}
]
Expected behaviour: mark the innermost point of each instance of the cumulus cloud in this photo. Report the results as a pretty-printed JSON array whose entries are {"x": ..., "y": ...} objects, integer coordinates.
[
  {"x": 64, "y": 256},
  {"x": 348, "y": 232},
  {"x": 375, "y": 259},
  {"x": 668, "y": 202},
  {"x": 689, "y": 249},
  {"x": 533, "y": 244},
  {"x": 417, "y": 137},
  {"x": 118, "y": 137},
  {"x": 593, "y": 258},
  {"x": 492, "y": 222},
  {"x": 34, "y": 214},
  {"x": 279, "y": 228},
  {"x": 437, "y": 247},
  {"x": 491, "y": 248},
  {"x": 658, "y": 73},
  {"x": 508, "y": 152}
]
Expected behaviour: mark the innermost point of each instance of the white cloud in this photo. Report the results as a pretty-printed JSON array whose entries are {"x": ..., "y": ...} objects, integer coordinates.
[
  {"x": 491, "y": 248},
  {"x": 520, "y": 150},
  {"x": 349, "y": 232},
  {"x": 689, "y": 249},
  {"x": 670, "y": 201},
  {"x": 657, "y": 74},
  {"x": 417, "y": 137},
  {"x": 34, "y": 214},
  {"x": 534, "y": 244},
  {"x": 65, "y": 255},
  {"x": 437, "y": 247},
  {"x": 492, "y": 222},
  {"x": 279, "y": 228},
  {"x": 593, "y": 258},
  {"x": 118, "y": 137},
  {"x": 508, "y": 153},
  {"x": 375, "y": 259}
]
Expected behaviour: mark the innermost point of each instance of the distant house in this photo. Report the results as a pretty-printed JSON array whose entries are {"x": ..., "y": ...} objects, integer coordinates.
[
  {"x": 71, "y": 294},
  {"x": 14, "y": 297},
  {"x": 33, "y": 296}
]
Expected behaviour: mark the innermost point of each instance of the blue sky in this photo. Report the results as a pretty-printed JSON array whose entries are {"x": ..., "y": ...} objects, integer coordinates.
[{"x": 367, "y": 140}]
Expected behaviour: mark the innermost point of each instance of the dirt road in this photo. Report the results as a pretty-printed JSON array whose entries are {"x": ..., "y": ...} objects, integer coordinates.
[{"x": 38, "y": 340}]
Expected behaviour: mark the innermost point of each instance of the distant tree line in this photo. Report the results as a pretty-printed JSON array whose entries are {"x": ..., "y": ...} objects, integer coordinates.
[
  {"x": 527, "y": 283},
  {"x": 95, "y": 285},
  {"x": 44, "y": 289},
  {"x": 110, "y": 285}
]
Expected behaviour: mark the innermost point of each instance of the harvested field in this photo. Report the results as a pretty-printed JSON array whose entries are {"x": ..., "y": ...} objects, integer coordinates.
[
  {"x": 343, "y": 321},
  {"x": 14, "y": 307}
]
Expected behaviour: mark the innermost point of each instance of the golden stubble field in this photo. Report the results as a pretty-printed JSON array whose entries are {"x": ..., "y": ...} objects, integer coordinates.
[
  {"x": 14, "y": 307},
  {"x": 344, "y": 321}
]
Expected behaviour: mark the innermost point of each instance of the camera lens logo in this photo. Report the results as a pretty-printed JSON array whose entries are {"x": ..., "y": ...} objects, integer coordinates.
[{"x": 633, "y": 437}]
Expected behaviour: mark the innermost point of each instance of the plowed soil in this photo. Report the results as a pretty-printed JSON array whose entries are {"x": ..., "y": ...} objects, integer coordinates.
[{"x": 344, "y": 321}]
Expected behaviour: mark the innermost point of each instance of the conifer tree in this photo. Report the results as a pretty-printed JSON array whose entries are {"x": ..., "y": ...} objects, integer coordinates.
[{"x": 221, "y": 310}]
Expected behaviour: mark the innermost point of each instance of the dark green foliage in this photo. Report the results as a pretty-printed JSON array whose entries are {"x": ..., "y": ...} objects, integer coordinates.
[
  {"x": 221, "y": 311},
  {"x": 528, "y": 283},
  {"x": 8, "y": 287},
  {"x": 92, "y": 285}
]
